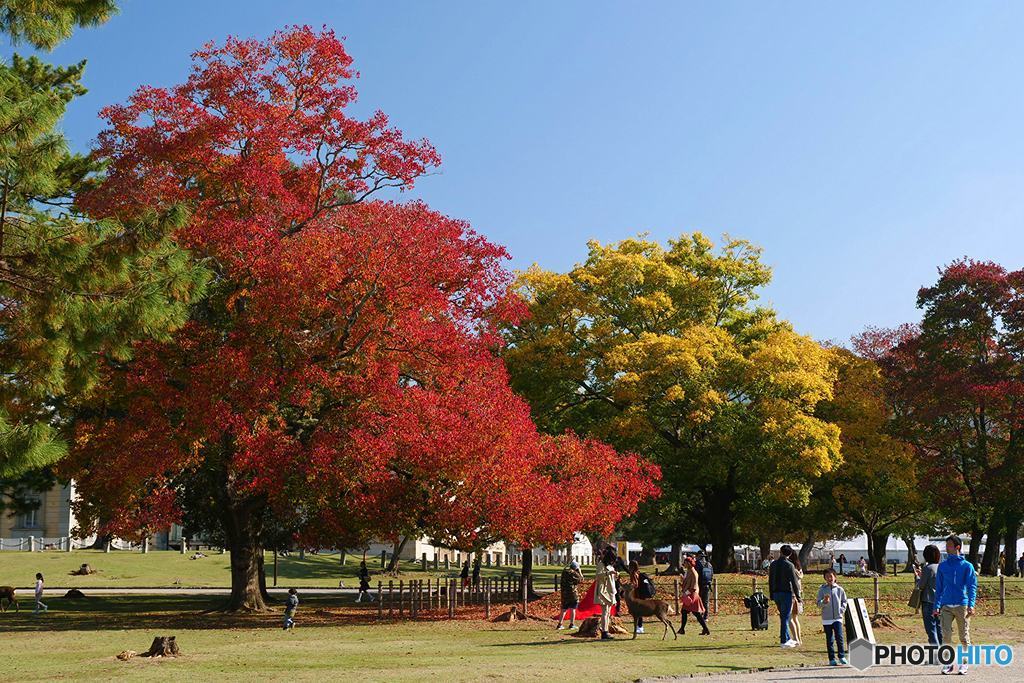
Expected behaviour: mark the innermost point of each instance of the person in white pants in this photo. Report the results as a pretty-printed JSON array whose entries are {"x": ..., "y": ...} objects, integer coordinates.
[{"x": 40, "y": 607}]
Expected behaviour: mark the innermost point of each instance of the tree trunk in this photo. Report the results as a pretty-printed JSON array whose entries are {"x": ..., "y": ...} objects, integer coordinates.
[
  {"x": 764, "y": 548},
  {"x": 101, "y": 541},
  {"x": 877, "y": 541},
  {"x": 675, "y": 554},
  {"x": 646, "y": 555},
  {"x": 975, "y": 546},
  {"x": 398, "y": 548},
  {"x": 990, "y": 558},
  {"x": 722, "y": 532},
  {"x": 1010, "y": 544},
  {"x": 248, "y": 585},
  {"x": 526, "y": 573},
  {"x": 805, "y": 550},
  {"x": 263, "y": 581},
  {"x": 908, "y": 540}
]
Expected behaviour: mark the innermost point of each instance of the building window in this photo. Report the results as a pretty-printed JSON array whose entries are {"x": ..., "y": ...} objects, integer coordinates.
[{"x": 30, "y": 518}]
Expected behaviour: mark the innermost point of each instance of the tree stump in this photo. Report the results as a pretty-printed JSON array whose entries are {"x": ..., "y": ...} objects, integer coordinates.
[
  {"x": 884, "y": 621},
  {"x": 163, "y": 646}
]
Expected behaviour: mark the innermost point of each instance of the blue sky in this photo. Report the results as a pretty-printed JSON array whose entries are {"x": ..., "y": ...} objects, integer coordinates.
[{"x": 862, "y": 145}]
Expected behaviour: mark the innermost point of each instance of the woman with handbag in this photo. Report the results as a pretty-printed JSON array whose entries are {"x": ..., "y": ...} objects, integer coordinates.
[
  {"x": 924, "y": 587},
  {"x": 691, "y": 602},
  {"x": 794, "y": 615}
]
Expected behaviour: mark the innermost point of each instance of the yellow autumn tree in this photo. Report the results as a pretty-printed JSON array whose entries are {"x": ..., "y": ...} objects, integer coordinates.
[{"x": 662, "y": 350}]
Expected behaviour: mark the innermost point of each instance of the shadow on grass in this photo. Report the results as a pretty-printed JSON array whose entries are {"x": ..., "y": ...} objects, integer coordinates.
[{"x": 105, "y": 613}]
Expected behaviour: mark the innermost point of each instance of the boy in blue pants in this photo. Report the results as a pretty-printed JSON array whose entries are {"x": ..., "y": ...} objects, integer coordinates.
[{"x": 832, "y": 601}]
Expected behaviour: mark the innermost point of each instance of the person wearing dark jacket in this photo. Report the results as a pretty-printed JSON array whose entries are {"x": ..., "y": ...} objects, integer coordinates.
[
  {"x": 465, "y": 574},
  {"x": 290, "y": 605},
  {"x": 705, "y": 574},
  {"x": 784, "y": 587},
  {"x": 476, "y": 572},
  {"x": 925, "y": 581},
  {"x": 570, "y": 582}
]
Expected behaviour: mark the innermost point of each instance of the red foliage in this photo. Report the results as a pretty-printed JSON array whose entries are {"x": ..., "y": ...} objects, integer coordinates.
[{"x": 342, "y": 369}]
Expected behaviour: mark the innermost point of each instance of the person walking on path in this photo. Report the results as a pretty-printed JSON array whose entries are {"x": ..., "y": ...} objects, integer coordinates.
[
  {"x": 706, "y": 574},
  {"x": 956, "y": 589},
  {"x": 290, "y": 605},
  {"x": 925, "y": 582},
  {"x": 569, "y": 584},
  {"x": 794, "y": 615},
  {"x": 691, "y": 603},
  {"x": 476, "y": 572},
  {"x": 465, "y": 574},
  {"x": 832, "y": 601},
  {"x": 784, "y": 588},
  {"x": 605, "y": 585},
  {"x": 1020, "y": 566},
  {"x": 40, "y": 606}
]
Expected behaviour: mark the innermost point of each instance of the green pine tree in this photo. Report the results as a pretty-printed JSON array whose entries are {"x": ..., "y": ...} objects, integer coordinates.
[
  {"x": 45, "y": 23},
  {"x": 73, "y": 291}
]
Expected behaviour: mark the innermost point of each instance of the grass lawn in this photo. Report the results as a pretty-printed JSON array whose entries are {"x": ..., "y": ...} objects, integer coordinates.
[
  {"x": 125, "y": 569},
  {"x": 79, "y": 640}
]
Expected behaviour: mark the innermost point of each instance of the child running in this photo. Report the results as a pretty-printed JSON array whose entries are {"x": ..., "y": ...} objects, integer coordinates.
[
  {"x": 290, "y": 605},
  {"x": 832, "y": 601}
]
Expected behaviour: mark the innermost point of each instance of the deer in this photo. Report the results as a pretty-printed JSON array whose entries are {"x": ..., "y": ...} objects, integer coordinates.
[
  {"x": 640, "y": 607},
  {"x": 7, "y": 593}
]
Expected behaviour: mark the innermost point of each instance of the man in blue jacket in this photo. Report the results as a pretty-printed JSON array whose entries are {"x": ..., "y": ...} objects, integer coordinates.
[{"x": 956, "y": 589}]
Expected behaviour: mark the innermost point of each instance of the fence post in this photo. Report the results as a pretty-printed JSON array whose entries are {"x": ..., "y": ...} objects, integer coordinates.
[
  {"x": 145, "y": 545},
  {"x": 714, "y": 595},
  {"x": 675, "y": 593},
  {"x": 451, "y": 598},
  {"x": 31, "y": 544},
  {"x": 380, "y": 600},
  {"x": 487, "y": 598},
  {"x": 876, "y": 594},
  {"x": 413, "y": 590},
  {"x": 391, "y": 599},
  {"x": 275, "y": 567},
  {"x": 1002, "y": 594},
  {"x": 524, "y": 590},
  {"x": 400, "y": 596}
]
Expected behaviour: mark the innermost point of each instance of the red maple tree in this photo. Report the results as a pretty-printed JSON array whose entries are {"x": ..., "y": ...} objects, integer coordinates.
[{"x": 341, "y": 374}]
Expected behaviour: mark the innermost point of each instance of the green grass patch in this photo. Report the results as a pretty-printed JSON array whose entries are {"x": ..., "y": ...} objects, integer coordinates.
[
  {"x": 168, "y": 569},
  {"x": 79, "y": 640}
]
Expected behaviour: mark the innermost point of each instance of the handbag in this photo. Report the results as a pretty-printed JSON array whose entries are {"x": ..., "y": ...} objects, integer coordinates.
[{"x": 915, "y": 598}]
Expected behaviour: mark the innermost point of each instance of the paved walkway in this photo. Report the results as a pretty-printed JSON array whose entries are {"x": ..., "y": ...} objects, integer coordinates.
[{"x": 893, "y": 674}]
